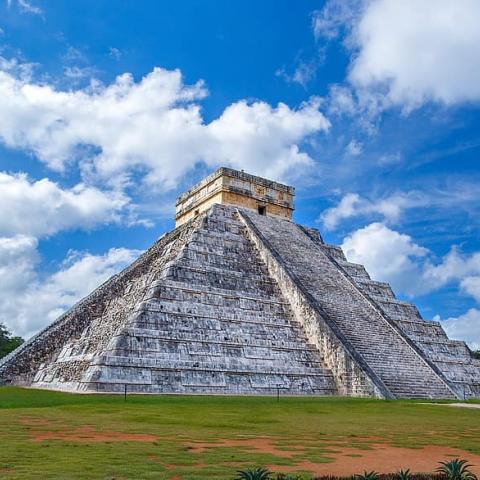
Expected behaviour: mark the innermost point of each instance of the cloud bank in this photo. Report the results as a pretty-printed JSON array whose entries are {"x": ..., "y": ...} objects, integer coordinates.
[
  {"x": 464, "y": 327},
  {"x": 152, "y": 129},
  {"x": 406, "y": 53}
]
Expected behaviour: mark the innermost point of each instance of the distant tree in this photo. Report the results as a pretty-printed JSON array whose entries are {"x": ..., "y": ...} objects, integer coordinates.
[
  {"x": 476, "y": 354},
  {"x": 7, "y": 342}
]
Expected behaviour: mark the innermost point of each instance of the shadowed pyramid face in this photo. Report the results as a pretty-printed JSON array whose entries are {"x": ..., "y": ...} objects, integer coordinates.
[{"x": 240, "y": 301}]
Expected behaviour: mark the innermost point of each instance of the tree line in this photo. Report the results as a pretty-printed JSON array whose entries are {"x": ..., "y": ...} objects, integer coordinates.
[{"x": 8, "y": 343}]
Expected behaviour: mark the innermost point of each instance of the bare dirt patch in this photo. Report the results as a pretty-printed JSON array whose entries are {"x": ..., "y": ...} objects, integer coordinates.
[
  {"x": 33, "y": 421},
  {"x": 383, "y": 459},
  {"x": 89, "y": 435},
  {"x": 260, "y": 444},
  {"x": 346, "y": 460},
  {"x": 5, "y": 469}
]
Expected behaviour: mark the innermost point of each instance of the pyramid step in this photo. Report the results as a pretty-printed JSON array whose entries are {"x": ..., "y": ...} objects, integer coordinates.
[
  {"x": 232, "y": 243},
  {"x": 238, "y": 334},
  {"x": 243, "y": 320},
  {"x": 238, "y": 263},
  {"x": 375, "y": 289},
  {"x": 138, "y": 339},
  {"x": 334, "y": 250},
  {"x": 208, "y": 361},
  {"x": 396, "y": 308},
  {"x": 356, "y": 270},
  {"x": 220, "y": 249},
  {"x": 136, "y": 367},
  {"x": 224, "y": 383},
  {"x": 235, "y": 309},
  {"x": 184, "y": 321},
  {"x": 170, "y": 285},
  {"x": 218, "y": 278}
]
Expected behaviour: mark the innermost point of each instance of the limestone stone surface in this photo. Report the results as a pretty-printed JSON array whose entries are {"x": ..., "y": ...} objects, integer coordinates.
[{"x": 233, "y": 187}]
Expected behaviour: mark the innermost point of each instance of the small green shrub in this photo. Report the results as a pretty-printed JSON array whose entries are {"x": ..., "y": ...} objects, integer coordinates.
[
  {"x": 254, "y": 474},
  {"x": 389, "y": 476},
  {"x": 456, "y": 470},
  {"x": 367, "y": 476},
  {"x": 404, "y": 475}
]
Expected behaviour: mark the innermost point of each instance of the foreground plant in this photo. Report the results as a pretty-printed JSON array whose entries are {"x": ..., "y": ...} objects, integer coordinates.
[
  {"x": 404, "y": 474},
  {"x": 456, "y": 470},
  {"x": 254, "y": 474},
  {"x": 367, "y": 476}
]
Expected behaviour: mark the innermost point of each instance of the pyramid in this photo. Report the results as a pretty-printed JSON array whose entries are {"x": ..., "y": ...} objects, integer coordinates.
[{"x": 240, "y": 300}]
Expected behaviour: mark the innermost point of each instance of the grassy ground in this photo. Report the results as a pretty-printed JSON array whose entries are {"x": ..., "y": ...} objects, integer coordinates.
[{"x": 55, "y": 435}]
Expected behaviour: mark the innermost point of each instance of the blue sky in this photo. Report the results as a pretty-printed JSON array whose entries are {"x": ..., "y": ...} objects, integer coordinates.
[{"x": 108, "y": 110}]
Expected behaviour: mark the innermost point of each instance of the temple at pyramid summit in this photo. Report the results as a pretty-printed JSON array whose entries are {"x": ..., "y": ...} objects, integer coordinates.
[{"x": 240, "y": 300}]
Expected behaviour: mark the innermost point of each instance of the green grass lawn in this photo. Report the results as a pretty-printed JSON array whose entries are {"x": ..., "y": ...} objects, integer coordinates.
[{"x": 55, "y": 435}]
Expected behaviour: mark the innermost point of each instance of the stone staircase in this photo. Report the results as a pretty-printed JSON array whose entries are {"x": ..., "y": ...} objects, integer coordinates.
[
  {"x": 452, "y": 357},
  {"x": 401, "y": 367}
]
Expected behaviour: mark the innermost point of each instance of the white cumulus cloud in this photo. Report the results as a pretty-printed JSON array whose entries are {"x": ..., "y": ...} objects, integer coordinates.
[
  {"x": 410, "y": 51},
  {"x": 152, "y": 128},
  {"x": 353, "y": 205},
  {"x": 465, "y": 327},
  {"x": 387, "y": 255},
  {"x": 262, "y": 139},
  {"x": 42, "y": 207},
  {"x": 421, "y": 50},
  {"x": 471, "y": 285},
  {"x": 411, "y": 269},
  {"x": 456, "y": 267},
  {"x": 452, "y": 196}
]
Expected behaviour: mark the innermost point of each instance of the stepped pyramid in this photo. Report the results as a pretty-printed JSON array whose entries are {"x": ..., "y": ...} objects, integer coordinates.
[{"x": 238, "y": 299}]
